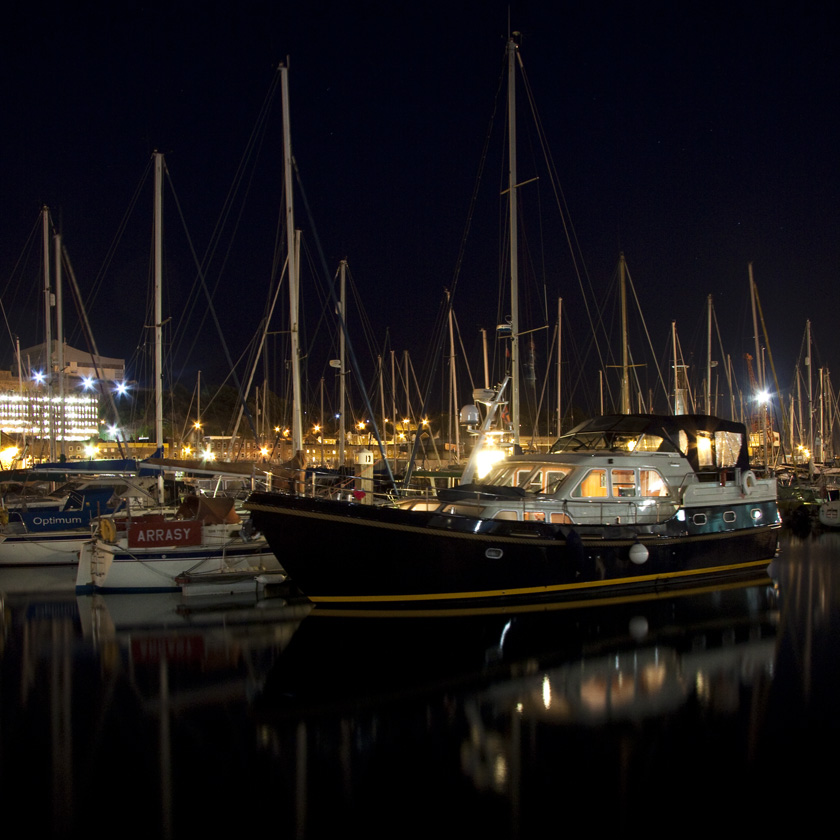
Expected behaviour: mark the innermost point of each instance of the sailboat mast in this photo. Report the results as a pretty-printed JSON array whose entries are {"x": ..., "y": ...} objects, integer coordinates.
[
  {"x": 625, "y": 361},
  {"x": 559, "y": 362},
  {"x": 59, "y": 330},
  {"x": 48, "y": 354},
  {"x": 341, "y": 371},
  {"x": 158, "y": 287},
  {"x": 291, "y": 239},
  {"x": 810, "y": 388},
  {"x": 514, "y": 241},
  {"x": 709, "y": 356},
  {"x": 453, "y": 384}
]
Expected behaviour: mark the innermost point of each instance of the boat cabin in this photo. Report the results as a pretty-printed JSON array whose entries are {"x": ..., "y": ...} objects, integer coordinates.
[{"x": 615, "y": 469}]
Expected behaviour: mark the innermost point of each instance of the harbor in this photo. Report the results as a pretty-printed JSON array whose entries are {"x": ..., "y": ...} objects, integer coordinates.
[
  {"x": 181, "y": 715},
  {"x": 418, "y": 422}
]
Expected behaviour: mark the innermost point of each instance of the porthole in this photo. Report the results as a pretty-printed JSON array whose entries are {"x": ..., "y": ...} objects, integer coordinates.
[
  {"x": 729, "y": 516},
  {"x": 493, "y": 553},
  {"x": 756, "y": 514},
  {"x": 699, "y": 519}
]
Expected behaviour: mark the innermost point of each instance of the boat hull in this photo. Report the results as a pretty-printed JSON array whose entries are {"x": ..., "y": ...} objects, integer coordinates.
[
  {"x": 343, "y": 554},
  {"x": 46, "y": 549},
  {"x": 105, "y": 567}
]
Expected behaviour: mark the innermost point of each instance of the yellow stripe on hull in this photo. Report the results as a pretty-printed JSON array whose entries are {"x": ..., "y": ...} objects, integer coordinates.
[{"x": 534, "y": 590}]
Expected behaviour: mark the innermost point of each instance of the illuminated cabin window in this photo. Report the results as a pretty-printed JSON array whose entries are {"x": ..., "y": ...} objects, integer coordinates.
[
  {"x": 652, "y": 483},
  {"x": 534, "y": 516},
  {"x": 593, "y": 485},
  {"x": 560, "y": 519},
  {"x": 649, "y": 443},
  {"x": 623, "y": 482}
]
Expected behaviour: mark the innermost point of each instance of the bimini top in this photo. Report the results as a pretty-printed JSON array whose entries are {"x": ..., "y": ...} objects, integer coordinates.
[{"x": 707, "y": 442}]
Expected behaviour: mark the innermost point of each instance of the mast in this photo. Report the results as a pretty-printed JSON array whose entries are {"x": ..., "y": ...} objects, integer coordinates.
[
  {"x": 709, "y": 356},
  {"x": 759, "y": 358},
  {"x": 810, "y": 390},
  {"x": 514, "y": 241},
  {"x": 453, "y": 384},
  {"x": 559, "y": 359},
  {"x": 394, "y": 406},
  {"x": 158, "y": 317},
  {"x": 48, "y": 350},
  {"x": 676, "y": 375},
  {"x": 59, "y": 326},
  {"x": 341, "y": 368},
  {"x": 625, "y": 362},
  {"x": 292, "y": 239}
]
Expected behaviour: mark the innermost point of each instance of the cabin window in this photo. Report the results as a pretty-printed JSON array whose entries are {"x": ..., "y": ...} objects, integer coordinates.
[
  {"x": 506, "y": 514},
  {"x": 593, "y": 485},
  {"x": 727, "y": 448},
  {"x": 623, "y": 483},
  {"x": 553, "y": 480},
  {"x": 529, "y": 480},
  {"x": 534, "y": 516},
  {"x": 705, "y": 453},
  {"x": 652, "y": 483},
  {"x": 651, "y": 443},
  {"x": 544, "y": 479},
  {"x": 560, "y": 519}
]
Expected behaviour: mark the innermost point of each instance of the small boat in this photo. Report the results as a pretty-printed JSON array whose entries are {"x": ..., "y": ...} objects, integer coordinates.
[
  {"x": 621, "y": 502},
  {"x": 206, "y": 541},
  {"x": 52, "y": 530},
  {"x": 829, "y": 510}
]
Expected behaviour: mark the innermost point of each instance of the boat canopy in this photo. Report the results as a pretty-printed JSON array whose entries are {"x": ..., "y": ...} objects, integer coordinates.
[
  {"x": 214, "y": 510},
  {"x": 707, "y": 442}
]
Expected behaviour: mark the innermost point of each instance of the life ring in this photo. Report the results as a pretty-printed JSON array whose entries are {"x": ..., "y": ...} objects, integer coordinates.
[
  {"x": 108, "y": 530},
  {"x": 748, "y": 482}
]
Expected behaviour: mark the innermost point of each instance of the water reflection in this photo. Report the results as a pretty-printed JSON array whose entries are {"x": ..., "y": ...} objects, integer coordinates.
[
  {"x": 501, "y": 717},
  {"x": 171, "y": 715}
]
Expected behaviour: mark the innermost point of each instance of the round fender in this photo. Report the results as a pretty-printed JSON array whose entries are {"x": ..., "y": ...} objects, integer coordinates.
[{"x": 748, "y": 482}]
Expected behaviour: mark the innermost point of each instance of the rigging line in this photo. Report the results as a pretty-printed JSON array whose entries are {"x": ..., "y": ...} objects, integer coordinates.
[
  {"x": 647, "y": 334},
  {"x": 772, "y": 365},
  {"x": 731, "y": 382},
  {"x": 255, "y": 141},
  {"x": 348, "y": 342},
  {"x": 434, "y": 358},
  {"x": 94, "y": 353},
  {"x": 23, "y": 258},
  {"x": 212, "y": 310},
  {"x": 565, "y": 216},
  {"x": 99, "y": 279},
  {"x": 463, "y": 351}
]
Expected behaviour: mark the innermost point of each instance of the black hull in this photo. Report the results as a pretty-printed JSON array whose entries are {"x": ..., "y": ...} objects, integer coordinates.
[{"x": 346, "y": 554}]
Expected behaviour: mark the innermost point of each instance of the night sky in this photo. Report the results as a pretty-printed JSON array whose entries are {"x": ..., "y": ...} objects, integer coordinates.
[{"x": 694, "y": 138}]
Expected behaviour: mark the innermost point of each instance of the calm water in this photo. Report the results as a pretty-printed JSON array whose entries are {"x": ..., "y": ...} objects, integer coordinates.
[{"x": 166, "y": 716}]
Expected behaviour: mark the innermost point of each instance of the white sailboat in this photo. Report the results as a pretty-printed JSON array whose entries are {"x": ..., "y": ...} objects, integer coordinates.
[{"x": 205, "y": 539}]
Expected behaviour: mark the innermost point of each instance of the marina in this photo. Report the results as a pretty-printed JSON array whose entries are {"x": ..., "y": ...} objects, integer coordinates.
[
  {"x": 190, "y": 715},
  {"x": 486, "y": 536}
]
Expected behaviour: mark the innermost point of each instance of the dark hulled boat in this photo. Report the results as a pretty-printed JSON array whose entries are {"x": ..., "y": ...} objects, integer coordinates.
[{"x": 622, "y": 502}]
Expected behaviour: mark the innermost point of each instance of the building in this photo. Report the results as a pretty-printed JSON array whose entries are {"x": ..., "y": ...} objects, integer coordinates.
[{"x": 78, "y": 364}]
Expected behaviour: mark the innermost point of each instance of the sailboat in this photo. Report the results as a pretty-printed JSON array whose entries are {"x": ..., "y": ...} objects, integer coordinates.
[
  {"x": 204, "y": 540},
  {"x": 621, "y": 504}
]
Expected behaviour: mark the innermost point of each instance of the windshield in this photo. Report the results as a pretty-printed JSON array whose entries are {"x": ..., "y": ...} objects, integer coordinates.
[{"x": 532, "y": 478}]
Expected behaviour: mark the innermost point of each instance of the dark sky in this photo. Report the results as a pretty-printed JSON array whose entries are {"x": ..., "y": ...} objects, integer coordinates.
[{"x": 694, "y": 138}]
